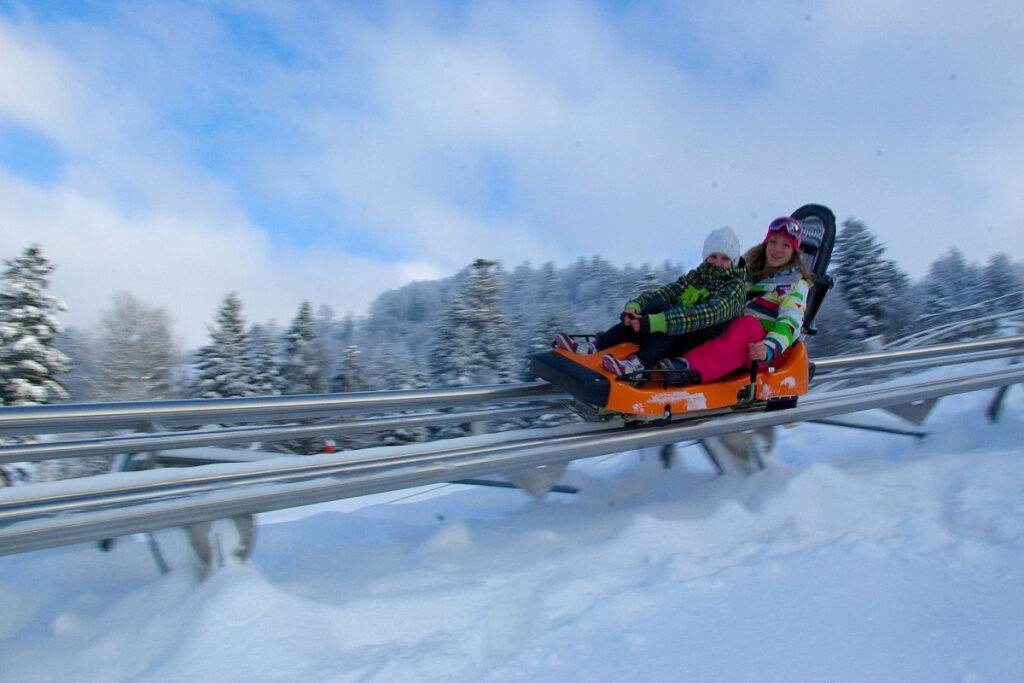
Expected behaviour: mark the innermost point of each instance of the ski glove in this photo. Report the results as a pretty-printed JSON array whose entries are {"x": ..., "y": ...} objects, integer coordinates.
[{"x": 655, "y": 322}]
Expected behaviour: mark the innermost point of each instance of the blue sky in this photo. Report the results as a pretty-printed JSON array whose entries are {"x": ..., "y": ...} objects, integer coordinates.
[{"x": 332, "y": 150}]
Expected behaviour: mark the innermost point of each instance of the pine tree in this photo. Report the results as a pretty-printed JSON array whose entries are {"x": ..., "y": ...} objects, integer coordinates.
[
  {"x": 223, "y": 369},
  {"x": 80, "y": 381},
  {"x": 302, "y": 371},
  {"x": 1003, "y": 285},
  {"x": 870, "y": 284},
  {"x": 387, "y": 369},
  {"x": 648, "y": 281},
  {"x": 521, "y": 308},
  {"x": 550, "y": 322},
  {"x": 328, "y": 348},
  {"x": 350, "y": 376},
  {"x": 478, "y": 347},
  {"x": 444, "y": 361},
  {"x": 30, "y": 363},
  {"x": 303, "y": 358},
  {"x": 953, "y": 290},
  {"x": 263, "y": 359},
  {"x": 550, "y": 317},
  {"x": 834, "y": 321}
]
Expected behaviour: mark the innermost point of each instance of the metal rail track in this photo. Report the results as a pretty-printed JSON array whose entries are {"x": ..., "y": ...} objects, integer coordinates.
[
  {"x": 59, "y": 513},
  {"x": 147, "y": 415},
  {"x": 333, "y": 412}
]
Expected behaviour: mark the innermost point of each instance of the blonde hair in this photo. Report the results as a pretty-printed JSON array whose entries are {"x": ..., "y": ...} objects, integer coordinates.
[{"x": 757, "y": 264}]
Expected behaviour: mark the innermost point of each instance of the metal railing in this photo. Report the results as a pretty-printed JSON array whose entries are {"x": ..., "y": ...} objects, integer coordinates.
[
  {"x": 85, "y": 417},
  {"x": 92, "y": 508},
  {"x": 232, "y": 436},
  {"x": 48, "y": 515},
  {"x": 159, "y": 416}
]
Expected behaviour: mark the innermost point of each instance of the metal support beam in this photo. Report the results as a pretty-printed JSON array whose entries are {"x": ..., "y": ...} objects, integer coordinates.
[{"x": 872, "y": 428}]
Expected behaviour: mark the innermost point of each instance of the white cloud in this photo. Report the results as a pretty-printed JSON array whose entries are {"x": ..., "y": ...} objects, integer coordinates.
[
  {"x": 856, "y": 110},
  {"x": 626, "y": 135},
  {"x": 184, "y": 263},
  {"x": 36, "y": 85}
]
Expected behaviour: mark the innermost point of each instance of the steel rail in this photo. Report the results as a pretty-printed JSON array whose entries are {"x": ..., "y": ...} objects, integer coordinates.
[
  {"x": 921, "y": 338},
  {"x": 836, "y": 374},
  {"x": 938, "y": 350},
  {"x": 23, "y": 503},
  {"x": 826, "y": 370},
  {"x": 149, "y": 415},
  {"x": 153, "y": 441},
  {"x": 47, "y": 532},
  {"x": 286, "y": 469},
  {"x": 83, "y": 417}
]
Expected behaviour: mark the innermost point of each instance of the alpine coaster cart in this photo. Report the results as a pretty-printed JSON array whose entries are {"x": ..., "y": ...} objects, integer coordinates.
[{"x": 659, "y": 395}]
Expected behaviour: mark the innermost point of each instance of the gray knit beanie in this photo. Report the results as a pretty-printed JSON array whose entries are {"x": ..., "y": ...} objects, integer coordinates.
[{"x": 722, "y": 241}]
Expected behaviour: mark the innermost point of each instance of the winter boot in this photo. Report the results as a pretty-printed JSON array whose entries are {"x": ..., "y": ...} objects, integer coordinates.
[
  {"x": 677, "y": 371},
  {"x": 581, "y": 348},
  {"x": 674, "y": 364},
  {"x": 628, "y": 365}
]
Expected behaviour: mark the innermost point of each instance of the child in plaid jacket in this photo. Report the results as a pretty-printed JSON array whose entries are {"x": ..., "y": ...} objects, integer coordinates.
[{"x": 679, "y": 315}]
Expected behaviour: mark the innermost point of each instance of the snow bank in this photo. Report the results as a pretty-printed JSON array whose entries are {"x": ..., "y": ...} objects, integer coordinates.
[{"x": 855, "y": 556}]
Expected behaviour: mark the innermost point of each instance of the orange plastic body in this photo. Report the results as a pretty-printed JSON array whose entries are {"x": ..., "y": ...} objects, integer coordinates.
[{"x": 786, "y": 377}]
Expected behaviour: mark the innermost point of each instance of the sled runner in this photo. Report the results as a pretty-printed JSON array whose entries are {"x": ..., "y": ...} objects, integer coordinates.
[{"x": 663, "y": 394}]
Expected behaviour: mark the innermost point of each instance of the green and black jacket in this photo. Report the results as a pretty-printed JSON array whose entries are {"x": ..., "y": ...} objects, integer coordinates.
[{"x": 707, "y": 296}]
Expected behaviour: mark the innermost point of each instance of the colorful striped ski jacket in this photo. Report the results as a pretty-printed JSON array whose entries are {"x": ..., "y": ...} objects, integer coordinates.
[
  {"x": 705, "y": 297},
  {"x": 778, "y": 302}
]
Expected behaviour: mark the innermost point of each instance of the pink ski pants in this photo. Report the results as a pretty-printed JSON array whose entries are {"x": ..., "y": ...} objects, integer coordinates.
[{"x": 727, "y": 351}]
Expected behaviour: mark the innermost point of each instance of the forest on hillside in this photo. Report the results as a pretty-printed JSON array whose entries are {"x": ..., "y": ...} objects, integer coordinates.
[{"x": 479, "y": 326}]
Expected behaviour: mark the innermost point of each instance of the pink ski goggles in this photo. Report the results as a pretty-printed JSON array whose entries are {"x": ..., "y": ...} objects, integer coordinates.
[{"x": 789, "y": 226}]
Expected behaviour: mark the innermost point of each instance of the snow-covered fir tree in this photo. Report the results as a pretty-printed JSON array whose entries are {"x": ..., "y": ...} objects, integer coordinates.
[
  {"x": 408, "y": 317},
  {"x": 1003, "y": 286},
  {"x": 329, "y": 346},
  {"x": 223, "y": 369},
  {"x": 648, "y": 281},
  {"x": 134, "y": 352},
  {"x": 871, "y": 285},
  {"x": 350, "y": 375},
  {"x": 302, "y": 371},
  {"x": 394, "y": 370},
  {"x": 523, "y": 298},
  {"x": 79, "y": 381},
  {"x": 474, "y": 345},
  {"x": 388, "y": 370},
  {"x": 30, "y": 363},
  {"x": 264, "y": 360},
  {"x": 549, "y": 317},
  {"x": 445, "y": 362},
  {"x": 952, "y": 290},
  {"x": 303, "y": 365}
]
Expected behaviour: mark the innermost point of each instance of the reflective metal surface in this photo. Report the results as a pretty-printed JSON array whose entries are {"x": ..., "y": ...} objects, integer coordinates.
[{"x": 99, "y": 510}]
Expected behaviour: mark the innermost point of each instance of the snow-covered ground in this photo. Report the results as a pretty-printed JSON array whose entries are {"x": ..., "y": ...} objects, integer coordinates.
[{"x": 855, "y": 556}]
